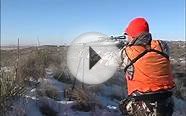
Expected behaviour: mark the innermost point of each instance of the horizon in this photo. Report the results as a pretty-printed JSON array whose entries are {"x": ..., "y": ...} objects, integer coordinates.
[
  {"x": 36, "y": 44},
  {"x": 58, "y": 22}
]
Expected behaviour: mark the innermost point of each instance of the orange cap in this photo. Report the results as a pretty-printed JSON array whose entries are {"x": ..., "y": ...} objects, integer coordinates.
[{"x": 136, "y": 27}]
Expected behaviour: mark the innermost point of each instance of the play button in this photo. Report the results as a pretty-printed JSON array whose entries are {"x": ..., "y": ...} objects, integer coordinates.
[{"x": 93, "y": 58}]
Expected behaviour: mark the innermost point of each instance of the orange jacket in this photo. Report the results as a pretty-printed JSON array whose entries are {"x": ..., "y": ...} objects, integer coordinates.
[{"x": 150, "y": 73}]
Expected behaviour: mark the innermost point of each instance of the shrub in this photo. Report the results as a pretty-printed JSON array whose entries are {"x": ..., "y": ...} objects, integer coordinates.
[
  {"x": 85, "y": 99},
  {"x": 180, "y": 89},
  {"x": 63, "y": 76},
  {"x": 46, "y": 89},
  {"x": 31, "y": 66}
]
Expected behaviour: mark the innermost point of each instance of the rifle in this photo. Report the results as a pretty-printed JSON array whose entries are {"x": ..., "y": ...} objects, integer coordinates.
[{"x": 121, "y": 41}]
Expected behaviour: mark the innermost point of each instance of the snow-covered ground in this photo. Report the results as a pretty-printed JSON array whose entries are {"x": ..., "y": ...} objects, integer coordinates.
[{"x": 33, "y": 104}]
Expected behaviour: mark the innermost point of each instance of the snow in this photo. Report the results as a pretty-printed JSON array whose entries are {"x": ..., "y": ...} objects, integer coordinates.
[
  {"x": 33, "y": 98},
  {"x": 65, "y": 102},
  {"x": 111, "y": 107},
  {"x": 33, "y": 90},
  {"x": 31, "y": 103}
]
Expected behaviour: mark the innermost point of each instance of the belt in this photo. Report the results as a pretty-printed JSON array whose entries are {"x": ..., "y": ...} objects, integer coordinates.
[{"x": 153, "y": 96}]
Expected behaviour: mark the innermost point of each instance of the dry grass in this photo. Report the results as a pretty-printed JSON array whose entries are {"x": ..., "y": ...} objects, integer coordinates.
[
  {"x": 86, "y": 100},
  {"x": 34, "y": 65},
  {"x": 13, "y": 83},
  {"x": 10, "y": 88}
]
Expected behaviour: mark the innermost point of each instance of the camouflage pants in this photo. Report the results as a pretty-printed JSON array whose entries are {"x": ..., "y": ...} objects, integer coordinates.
[{"x": 161, "y": 107}]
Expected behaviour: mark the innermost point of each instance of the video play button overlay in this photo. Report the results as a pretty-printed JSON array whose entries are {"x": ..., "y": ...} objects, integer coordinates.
[{"x": 93, "y": 58}]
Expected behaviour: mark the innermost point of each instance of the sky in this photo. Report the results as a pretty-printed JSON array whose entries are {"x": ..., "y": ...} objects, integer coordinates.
[{"x": 60, "y": 21}]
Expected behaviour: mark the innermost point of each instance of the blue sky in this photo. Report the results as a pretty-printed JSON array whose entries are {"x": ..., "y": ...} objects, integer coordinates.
[{"x": 59, "y": 21}]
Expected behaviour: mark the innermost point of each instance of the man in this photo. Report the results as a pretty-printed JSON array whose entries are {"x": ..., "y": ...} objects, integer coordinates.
[{"x": 148, "y": 72}]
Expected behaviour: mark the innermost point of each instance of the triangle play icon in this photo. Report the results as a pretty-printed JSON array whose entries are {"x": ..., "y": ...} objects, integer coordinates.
[{"x": 93, "y": 57}]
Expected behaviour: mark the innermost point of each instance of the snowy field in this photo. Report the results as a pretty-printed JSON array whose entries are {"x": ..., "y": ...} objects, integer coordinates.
[{"x": 33, "y": 104}]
